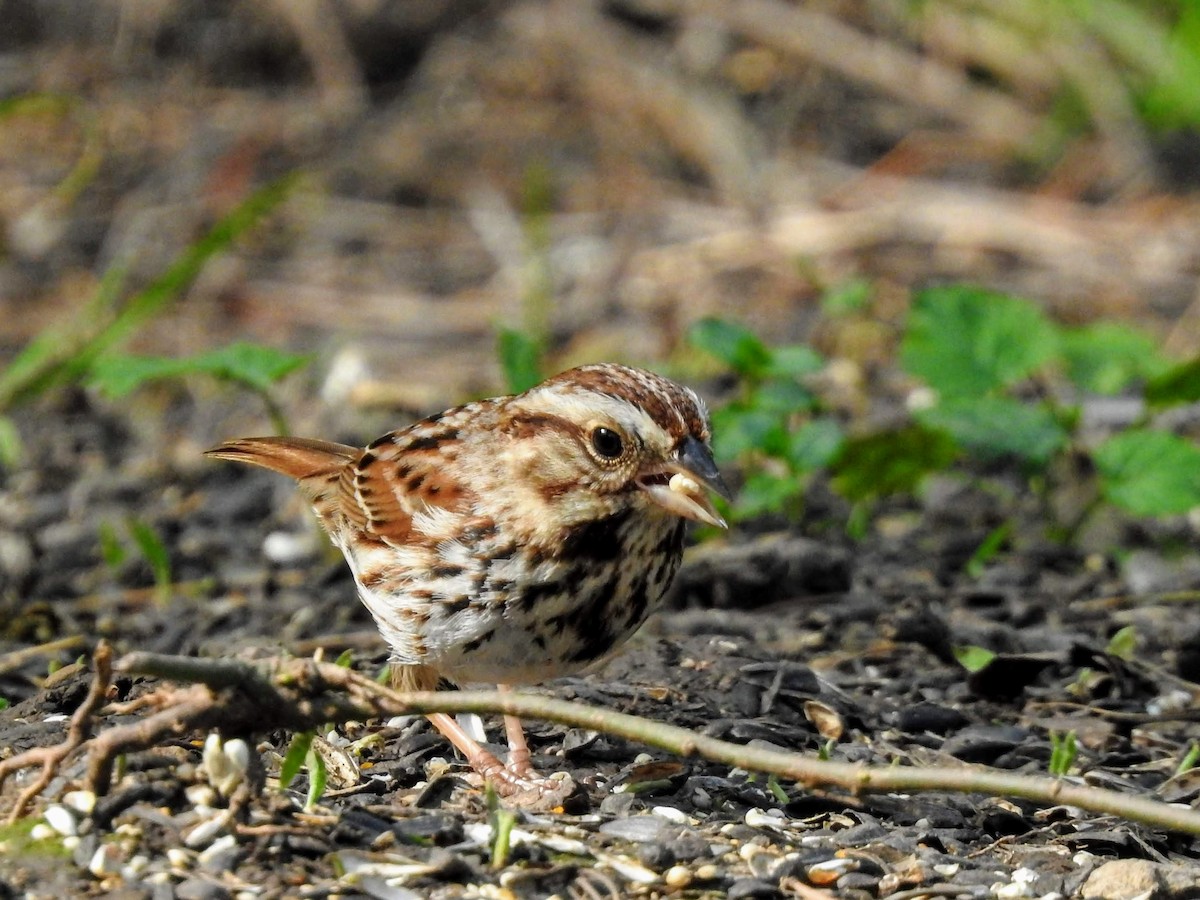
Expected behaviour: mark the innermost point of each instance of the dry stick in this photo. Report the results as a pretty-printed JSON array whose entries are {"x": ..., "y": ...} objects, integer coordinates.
[
  {"x": 12, "y": 661},
  {"x": 77, "y": 733},
  {"x": 366, "y": 697}
]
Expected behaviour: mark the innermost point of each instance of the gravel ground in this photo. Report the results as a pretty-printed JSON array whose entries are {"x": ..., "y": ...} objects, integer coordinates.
[{"x": 794, "y": 638}]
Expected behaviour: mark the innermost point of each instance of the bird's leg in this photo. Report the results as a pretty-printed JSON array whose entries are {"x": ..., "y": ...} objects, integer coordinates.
[
  {"x": 506, "y": 780},
  {"x": 425, "y": 678},
  {"x": 519, "y": 762}
]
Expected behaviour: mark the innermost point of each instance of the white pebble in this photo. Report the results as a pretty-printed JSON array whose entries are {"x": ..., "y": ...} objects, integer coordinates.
[
  {"x": 672, "y": 814},
  {"x": 81, "y": 801},
  {"x": 135, "y": 867},
  {"x": 71, "y": 841},
  {"x": 178, "y": 858},
  {"x": 678, "y": 877},
  {"x": 42, "y": 832},
  {"x": 219, "y": 854},
  {"x": 708, "y": 872},
  {"x": 758, "y": 818},
  {"x": 105, "y": 861},
  {"x": 61, "y": 819},
  {"x": 204, "y": 833},
  {"x": 201, "y": 796},
  {"x": 285, "y": 548}
]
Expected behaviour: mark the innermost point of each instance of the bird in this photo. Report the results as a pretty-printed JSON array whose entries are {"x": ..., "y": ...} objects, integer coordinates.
[{"x": 514, "y": 539}]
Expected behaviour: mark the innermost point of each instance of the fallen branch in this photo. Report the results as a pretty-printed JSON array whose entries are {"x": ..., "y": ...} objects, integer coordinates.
[
  {"x": 50, "y": 758},
  {"x": 298, "y": 691}
]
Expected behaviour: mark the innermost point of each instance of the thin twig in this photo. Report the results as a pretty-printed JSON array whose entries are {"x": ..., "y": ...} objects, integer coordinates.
[
  {"x": 51, "y": 757},
  {"x": 362, "y": 697}
]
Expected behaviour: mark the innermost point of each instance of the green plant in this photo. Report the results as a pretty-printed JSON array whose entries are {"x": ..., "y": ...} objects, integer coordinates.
[
  {"x": 301, "y": 754},
  {"x": 775, "y": 426},
  {"x": 149, "y": 546},
  {"x": 250, "y": 366},
  {"x": 1064, "y": 748}
]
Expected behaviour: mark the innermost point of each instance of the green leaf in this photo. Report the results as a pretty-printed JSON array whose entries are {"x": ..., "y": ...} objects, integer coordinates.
[
  {"x": 344, "y": 659},
  {"x": 520, "y": 359},
  {"x": 154, "y": 551},
  {"x": 815, "y": 444},
  {"x": 1105, "y": 357},
  {"x": 989, "y": 547},
  {"x": 890, "y": 462},
  {"x": 1149, "y": 473},
  {"x": 765, "y": 492},
  {"x": 3, "y": 703},
  {"x": 1123, "y": 643},
  {"x": 1180, "y": 384},
  {"x": 781, "y": 395},
  {"x": 12, "y": 449},
  {"x": 253, "y": 365},
  {"x": 733, "y": 344},
  {"x": 1063, "y": 750},
  {"x": 739, "y": 429},
  {"x": 797, "y": 360},
  {"x": 111, "y": 549},
  {"x": 318, "y": 777},
  {"x": 973, "y": 659},
  {"x": 294, "y": 758},
  {"x": 966, "y": 342},
  {"x": 993, "y": 427}
]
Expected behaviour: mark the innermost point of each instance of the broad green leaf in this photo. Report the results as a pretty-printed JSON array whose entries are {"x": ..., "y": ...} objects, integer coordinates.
[
  {"x": 738, "y": 429},
  {"x": 1149, "y": 473},
  {"x": 967, "y": 342},
  {"x": 1180, "y": 384},
  {"x": 764, "y": 492},
  {"x": 781, "y": 395},
  {"x": 294, "y": 758},
  {"x": 520, "y": 359},
  {"x": 1105, "y": 357},
  {"x": 815, "y": 444},
  {"x": 890, "y": 462},
  {"x": 733, "y": 344},
  {"x": 796, "y": 360},
  {"x": 973, "y": 659},
  {"x": 994, "y": 427},
  {"x": 249, "y": 364}
]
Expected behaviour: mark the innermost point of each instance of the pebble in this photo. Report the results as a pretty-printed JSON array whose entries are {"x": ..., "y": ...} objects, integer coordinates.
[
  {"x": 220, "y": 854},
  {"x": 61, "y": 820},
  {"x": 672, "y": 814},
  {"x": 81, "y": 801},
  {"x": 105, "y": 861},
  {"x": 639, "y": 829},
  {"x": 752, "y": 889},
  {"x": 200, "y": 889},
  {"x": 677, "y": 877}
]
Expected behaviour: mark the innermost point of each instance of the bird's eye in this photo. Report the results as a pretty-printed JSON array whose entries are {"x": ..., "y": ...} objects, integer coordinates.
[{"x": 607, "y": 443}]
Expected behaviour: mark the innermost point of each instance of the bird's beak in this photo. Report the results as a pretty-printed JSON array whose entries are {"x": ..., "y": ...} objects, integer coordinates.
[{"x": 679, "y": 485}]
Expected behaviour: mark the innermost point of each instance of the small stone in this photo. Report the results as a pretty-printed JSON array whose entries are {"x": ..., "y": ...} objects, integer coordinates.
[
  {"x": 61, "y": 820},
  {"x": 708, "y": 872},
  {"x": 200, "y": 889},
  {"x": 105, "y": 861},
  {"x": 219, "y": 856},
  {"x": 752, "y": 889},
  {"x": 178, "y": 858},
  {"x": 672, "y": 814},
  {"x": 80, "y": 801},
  {"x": 677, "y": 877}
]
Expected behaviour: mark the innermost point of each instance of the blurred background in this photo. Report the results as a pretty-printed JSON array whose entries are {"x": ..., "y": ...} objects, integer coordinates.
[{"x": 596, "y": 175}]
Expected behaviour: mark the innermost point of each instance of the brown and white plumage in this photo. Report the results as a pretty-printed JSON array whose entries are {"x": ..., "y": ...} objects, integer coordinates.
[{"x": 517, "y": 538}]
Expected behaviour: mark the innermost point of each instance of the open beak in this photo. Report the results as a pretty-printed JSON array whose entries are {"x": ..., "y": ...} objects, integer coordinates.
[{"x": 681, "y": 485}]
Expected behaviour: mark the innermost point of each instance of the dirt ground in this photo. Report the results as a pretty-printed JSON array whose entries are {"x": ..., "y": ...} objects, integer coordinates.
[{"x": 605, "y": 174}]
